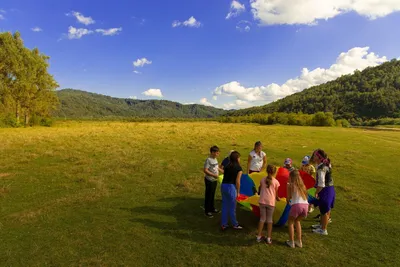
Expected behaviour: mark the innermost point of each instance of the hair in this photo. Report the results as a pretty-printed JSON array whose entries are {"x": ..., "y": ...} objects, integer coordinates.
[
  {"x": 322, "y": 156},
  {"x": 296, "y": 183},
  {"x": 214, "y": 149},
  {"x": 271, "y": 171},
  {"x": 258, "y": 143},
  {"x": 234, "y": 159}
]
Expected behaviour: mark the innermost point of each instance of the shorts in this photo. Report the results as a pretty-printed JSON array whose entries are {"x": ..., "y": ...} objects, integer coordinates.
[
  {"x": 326, "y": 199},
  {"x": 266, "y": 213},
  {"x": 297, "y": 210}
]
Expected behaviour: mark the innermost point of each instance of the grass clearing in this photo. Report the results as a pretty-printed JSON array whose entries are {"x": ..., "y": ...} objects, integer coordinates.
[{"x": 113, "y": 193}]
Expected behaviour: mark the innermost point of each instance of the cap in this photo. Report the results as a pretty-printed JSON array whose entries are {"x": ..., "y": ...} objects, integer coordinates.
[
  {"x": 288, "y": 161},
  {"x": 306, "y": 160}
]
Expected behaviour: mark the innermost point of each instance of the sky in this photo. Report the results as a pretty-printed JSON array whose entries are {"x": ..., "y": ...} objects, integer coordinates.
[{"x": 224, "y": 53}]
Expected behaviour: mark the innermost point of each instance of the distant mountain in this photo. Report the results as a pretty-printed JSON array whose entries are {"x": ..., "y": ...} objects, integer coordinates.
[
  {"x": 372, "y": 93},
  {"x": 81, "y": 104}
]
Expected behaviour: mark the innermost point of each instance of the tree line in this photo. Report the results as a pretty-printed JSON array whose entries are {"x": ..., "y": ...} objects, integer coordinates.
[{"x": 27, "y": 90}]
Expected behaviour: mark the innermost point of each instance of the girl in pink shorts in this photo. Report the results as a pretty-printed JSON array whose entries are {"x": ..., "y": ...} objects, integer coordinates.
[
  {"x": 268, "y": 195},
  {"x": 297, "y": 198}
]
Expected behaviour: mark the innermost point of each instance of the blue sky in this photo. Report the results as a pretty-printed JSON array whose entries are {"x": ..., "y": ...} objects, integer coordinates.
[{"x": 252, "y": 56}]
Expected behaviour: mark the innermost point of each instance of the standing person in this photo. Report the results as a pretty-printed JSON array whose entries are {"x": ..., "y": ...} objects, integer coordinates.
[
  {"x": 297, "y": 198},
  {"x": 225, "y": 162},
  {"x": 257, "y": 159},
  {"x": 310, "y": 169},
  {"x": 325, "y": 192},
  {"x": 211, "y": 170},
  {"x": 268, "y": 196},
  {"x": 230, "y": 189}
]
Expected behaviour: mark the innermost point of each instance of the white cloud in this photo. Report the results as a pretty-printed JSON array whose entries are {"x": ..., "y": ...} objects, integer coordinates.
[
  {"x": 133, "y": 97},
  {"x": 271, "y": 12},
  {"x": 81, "y": 18},
  {"x": 243, "y": 26},
  {"x": 36, "y": 29},
  {"x": 140, "y": 62},
  {"x": 137, "y": 72},
  {"x": 153, "y": 92},
  {"x": 1, "y": 17},
  {"x": 109, "y": 32},
  {"x": 235, "y": 10},
  {"x": 237, "y": 104},
  {"x": 191, "y": 22},
  {"x": 357, "y": 58},
  {"x": 215, "y": 98},
  {"x": 74, "y": 33},
  {"x": 205, "y": 102}
]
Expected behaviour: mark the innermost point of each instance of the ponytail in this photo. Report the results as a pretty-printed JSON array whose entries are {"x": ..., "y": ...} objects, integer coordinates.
[{"x": 271, "y": 170}]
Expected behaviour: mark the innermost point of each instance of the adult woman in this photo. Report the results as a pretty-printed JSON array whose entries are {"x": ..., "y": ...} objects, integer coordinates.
[
  {"x": 325, "y": 192},
  {"x": 230, "y": 189},
  {"x": 257, "y": 159}
]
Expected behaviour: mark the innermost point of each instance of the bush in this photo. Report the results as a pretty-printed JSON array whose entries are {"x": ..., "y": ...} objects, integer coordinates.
[
  {"x": 47, "y": 122},
  {"x": 323, "y": 119}
]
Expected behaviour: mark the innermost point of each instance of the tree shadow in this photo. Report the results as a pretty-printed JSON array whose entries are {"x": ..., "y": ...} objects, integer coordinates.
[{"x": 190, "y": 223}]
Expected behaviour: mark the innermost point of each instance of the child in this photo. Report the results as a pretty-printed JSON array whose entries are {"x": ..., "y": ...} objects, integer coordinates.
[
  {"x": 257, "y": 159},
  {"x": 211, "y": 177},
  {"x": 310, "y": 169},
  {"x": 288, "y": 164},
  {"x": 230, "y": 189},
  {"x": 325, "y": 192},
  {"x": 225, "y": 162},
  {"x": 268, "y": 195},
  {"x": 297, "y": 198}
]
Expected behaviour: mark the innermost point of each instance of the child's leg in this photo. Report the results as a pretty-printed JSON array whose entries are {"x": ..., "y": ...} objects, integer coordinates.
[
  {"x": 207, "y": 196},
  {"x": 298, "y": 227},
  {"x": 263, "y": 218},
  {"x": 225, "y": 205},
  {"x": 324, "y": 220},
  {"x": 260, "y": 228},
  {"x": 213, "y": 189},
  {"x": 270, "y": 214},
  {"x": 232, "y": 204},
  {"x": 291, "y": 228}
]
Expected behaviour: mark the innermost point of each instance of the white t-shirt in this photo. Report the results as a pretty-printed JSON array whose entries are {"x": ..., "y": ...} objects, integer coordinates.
[
  {"x": 211, "y": 164},
  {"x": 256, "y": 160},
  {"x": 297, "y": 198}
]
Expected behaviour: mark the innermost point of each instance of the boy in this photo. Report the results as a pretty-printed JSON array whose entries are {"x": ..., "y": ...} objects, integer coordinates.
[
  {"x": 288, "y": 165},
  {"x": 211, "y": 170}
]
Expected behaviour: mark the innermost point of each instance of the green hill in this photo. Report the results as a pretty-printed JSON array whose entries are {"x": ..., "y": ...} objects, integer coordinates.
[
  {"x": 81, "y": 104},
  {"x": 372, "y": 93}
]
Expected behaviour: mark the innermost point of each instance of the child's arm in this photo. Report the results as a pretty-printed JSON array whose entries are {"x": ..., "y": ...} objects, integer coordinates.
[
  {"x": 239, "y": 175},
  {"x": 248, "y": 163},
  {"x": 276, "y": 194},
  {"x": 221, "y": 170},
  {"x": 264, "y": 163},
  {"x": 289, "y": 193},
  {"x": 206, "y": 171}
]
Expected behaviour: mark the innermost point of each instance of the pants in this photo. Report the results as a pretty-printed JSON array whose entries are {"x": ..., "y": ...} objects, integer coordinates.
[
  {"x": 209, "y": 195},
  {"x": 229, "y": 194},
  {"x": 266, "y": 213}
]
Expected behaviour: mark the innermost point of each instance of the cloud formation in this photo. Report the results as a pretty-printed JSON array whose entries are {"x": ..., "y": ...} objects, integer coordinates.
[
  {"x": 153, "y": 92},
  {"x": 235, "y": 10},
  {"x": 81, "y": 18},
  {"x": 191, "y": 22}
]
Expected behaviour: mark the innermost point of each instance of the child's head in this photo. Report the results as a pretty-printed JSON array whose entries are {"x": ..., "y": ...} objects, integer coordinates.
[
  {"x": 297, "y": 183},
  {"x": 271, "y": 170},
  {"x": 214, "y": 151},
  {"x": 234, "y": 157},
  {"x": 288, "y": 163},
  {"x": 258, "y": 146},
  {"x": 230, "y": 152},
  {"x": 320, "y": 156},
  {"x": 306, "y": 160}
]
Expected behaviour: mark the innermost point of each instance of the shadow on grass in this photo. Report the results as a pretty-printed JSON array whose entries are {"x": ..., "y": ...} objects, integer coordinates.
[{"x": 190, "y": 223}]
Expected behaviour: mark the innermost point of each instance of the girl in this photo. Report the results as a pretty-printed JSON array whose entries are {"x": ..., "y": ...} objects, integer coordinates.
[
  {"x": 325, "y": 192},
  {"x": 257, "y": 159},
  {"x": 310, "y": 169},
  {"x": 268, "y": 195},
  {"x": 297, "y": 198},
  {"x": 230, "y": 189}
]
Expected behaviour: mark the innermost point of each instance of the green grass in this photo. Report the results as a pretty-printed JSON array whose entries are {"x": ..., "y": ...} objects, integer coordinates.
[{"x": 112, "y": 194}]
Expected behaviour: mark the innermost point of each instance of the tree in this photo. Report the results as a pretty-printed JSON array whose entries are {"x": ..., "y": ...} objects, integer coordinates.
[{"x": 26, "y": 87}]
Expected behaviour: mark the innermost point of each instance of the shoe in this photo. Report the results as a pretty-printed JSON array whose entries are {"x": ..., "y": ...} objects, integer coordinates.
[
  {"x": 320, "y": 231},
  {"x": 330, "y": 220},
  {"x": 316, "y": 226},
  {"x": 224, "y": 227},
  {"x": 268, "y": 241},
  {"x": 216, "y": 211},
  {"x": 310, "y": 210},
  {"x": 298, "y": 244},
  {"x": 290, "y": 243},
  {"x": 238, "y": 227},
  {"x": 209, "y": 215},
  {"x": 260, "y": 239}
]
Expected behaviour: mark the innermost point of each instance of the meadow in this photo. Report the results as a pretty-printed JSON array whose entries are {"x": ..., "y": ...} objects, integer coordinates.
[{"x": 118, "y": 193}]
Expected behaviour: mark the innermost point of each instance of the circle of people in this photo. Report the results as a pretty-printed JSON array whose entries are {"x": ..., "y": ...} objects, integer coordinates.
[{"x": 318, "y": 165}]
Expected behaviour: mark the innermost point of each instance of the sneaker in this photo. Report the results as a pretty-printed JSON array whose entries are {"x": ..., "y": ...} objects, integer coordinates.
[
  {"x": 268, "y": 241},
  {"x": 260, "y": 238},
  {"x": 216, "y": 211},
  {"x": 310, "y": 210},
  {"x": 298, "y": 244},
  {"x": 209, "y": 215},
  {"x": 320, "y": 231},
  {"x": 290, "y": 243},
  {"x": 316, "y": 226},
  {"x": 238, "y": 227},
  {"x": 224, "y": 227}
]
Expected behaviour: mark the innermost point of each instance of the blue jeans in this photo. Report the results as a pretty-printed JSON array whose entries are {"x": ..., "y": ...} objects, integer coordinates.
[{"x": 229, "y": 194}]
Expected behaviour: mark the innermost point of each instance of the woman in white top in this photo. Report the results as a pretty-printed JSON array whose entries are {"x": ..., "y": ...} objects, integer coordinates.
[
  {"x": 297, "y": 198},
  {"x": 257, "y": 159}
]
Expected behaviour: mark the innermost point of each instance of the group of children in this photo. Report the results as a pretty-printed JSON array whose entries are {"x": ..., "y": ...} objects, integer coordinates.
[{"x": 268, "y": 190}]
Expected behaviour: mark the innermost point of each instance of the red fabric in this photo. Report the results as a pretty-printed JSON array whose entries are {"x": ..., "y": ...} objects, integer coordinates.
[
  {"x": 242, "y": 197},
  {"x": 308, "y": 180},
  {"x": 256, "y": 210},
  {"x": 283, "y": 177}
]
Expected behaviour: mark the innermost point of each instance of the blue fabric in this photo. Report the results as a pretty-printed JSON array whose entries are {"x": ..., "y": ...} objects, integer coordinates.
[
  {"x": 246, "y": 185},
  {"x": 285, "y": 216},
  {"x": 228, "y": 192}
]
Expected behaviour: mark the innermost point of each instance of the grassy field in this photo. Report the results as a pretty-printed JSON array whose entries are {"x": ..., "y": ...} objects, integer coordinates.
[{"x": 112, "y": 194}]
